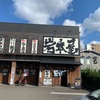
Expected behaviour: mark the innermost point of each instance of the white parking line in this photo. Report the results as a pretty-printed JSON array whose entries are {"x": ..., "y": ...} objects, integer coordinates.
[{"x": 68, "y": 93}]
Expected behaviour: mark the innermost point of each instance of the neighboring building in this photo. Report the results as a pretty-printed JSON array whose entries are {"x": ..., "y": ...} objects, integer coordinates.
[
  {"x": 44, "y": 54},
  {"x": 93, "y": 47},
  {"x": 90, "y": 59}
]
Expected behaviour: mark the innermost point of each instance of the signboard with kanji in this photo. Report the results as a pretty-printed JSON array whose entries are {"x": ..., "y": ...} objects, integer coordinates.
[
  {"x": 53, "y": 45},
  {"x": 1, "y": 44},
  {"x": 23, "y": 45},
  {"x": 34, "y": 46},
  {"x": 12, "y": 45}
]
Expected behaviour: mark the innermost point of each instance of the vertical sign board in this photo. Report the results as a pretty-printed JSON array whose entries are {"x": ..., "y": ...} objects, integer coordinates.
[
  {"x": 12, "y": 76},
  {"x": 12, "y": 45},
  {"x": 1, "y": 44},
  {"x": 23, "y": 45},
  {"x": 34, "y": 46}
]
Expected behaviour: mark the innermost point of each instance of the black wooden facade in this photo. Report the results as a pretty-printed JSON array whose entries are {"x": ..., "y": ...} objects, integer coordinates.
[{"x": 47, "y": 54}]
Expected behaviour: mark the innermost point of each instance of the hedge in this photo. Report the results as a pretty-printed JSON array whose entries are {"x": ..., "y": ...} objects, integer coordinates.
[{"x": 90, "y": 78}]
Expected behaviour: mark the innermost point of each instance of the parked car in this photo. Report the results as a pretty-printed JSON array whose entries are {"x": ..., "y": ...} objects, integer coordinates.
[{"x": 95, "y": 95}]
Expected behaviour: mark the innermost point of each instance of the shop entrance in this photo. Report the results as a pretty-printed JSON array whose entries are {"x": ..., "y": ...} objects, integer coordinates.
[
  {"x": 33, "y": 76},
  {"x": 64, "y": 78},
  {"x": 29, "y": 72},
  {"x": 5, "y": 68}
]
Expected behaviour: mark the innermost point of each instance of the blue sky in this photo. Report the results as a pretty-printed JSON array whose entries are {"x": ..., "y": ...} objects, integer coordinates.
[{"x": 82, "y": 13}]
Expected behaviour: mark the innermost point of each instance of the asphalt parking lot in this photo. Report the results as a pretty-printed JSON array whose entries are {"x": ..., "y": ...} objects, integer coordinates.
[{"x": 27, "y": 92}]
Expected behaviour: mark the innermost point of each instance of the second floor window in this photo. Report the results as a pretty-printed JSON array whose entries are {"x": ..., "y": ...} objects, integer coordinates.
[
  {"x": 88, "y": 60},
  {"x": 82, "y": 60},
  {"x": 94, "y": 60}
]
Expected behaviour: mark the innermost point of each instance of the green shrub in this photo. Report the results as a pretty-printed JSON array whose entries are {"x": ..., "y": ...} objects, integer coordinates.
[{"x": 91, "y": 78}]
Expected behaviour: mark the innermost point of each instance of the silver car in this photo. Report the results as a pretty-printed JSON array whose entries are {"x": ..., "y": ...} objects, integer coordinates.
[{"x": 95, "y": 95}]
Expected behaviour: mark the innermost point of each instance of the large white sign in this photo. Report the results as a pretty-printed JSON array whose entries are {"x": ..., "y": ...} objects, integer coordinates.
[{"x": 68, "y": 46}]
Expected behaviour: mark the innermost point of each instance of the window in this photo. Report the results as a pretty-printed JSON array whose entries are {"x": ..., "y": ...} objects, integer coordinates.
[
  {"x": 88, "y": 60},
  {"x": 94, "y": 60},
  {"x": 82, "y": 60}
]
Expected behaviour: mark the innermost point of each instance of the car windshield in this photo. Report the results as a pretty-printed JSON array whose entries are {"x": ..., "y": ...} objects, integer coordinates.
[{"x": 95, "y": 95}]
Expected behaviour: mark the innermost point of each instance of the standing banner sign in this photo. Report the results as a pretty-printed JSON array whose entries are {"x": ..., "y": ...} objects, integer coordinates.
[
  {"x": 77, "y": 83},
  {"x": 12, "y": 76}
]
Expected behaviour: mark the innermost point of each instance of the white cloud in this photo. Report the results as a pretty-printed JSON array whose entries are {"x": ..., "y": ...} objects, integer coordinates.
[
  {"x": 69, "y": 22},
  {"x": 40, "y": 11},
  {"x": 94, "y": 42},
  {"x": 73, "y": 23},
  {"x": 92, "y": 23}
]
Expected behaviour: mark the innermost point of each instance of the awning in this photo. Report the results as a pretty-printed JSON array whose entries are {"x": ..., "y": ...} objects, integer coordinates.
[{"x": 61, "y": 62}]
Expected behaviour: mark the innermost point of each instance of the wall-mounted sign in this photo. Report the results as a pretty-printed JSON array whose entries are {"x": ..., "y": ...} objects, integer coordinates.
[
  {"x": 47, "y": 81},
  {"x": 12, "y": 45},
  {"x": 1, "y": 44},
  {"x": 68, "y": 46},
  {"x": 34, "y": 46},
  {"x": 57, "y": 73},
  {"x": 23, "y": 45},
  {"x": 47, "y": 74}
]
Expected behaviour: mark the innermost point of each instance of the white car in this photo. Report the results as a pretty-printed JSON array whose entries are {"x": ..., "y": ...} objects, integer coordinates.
[{"x": 95, "y": 95}]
